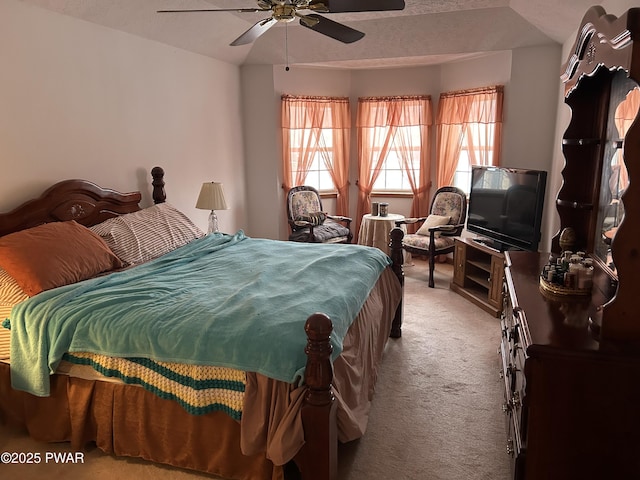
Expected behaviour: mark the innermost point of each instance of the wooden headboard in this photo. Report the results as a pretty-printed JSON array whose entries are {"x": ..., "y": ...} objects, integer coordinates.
[{"x": 79, "y": 200}]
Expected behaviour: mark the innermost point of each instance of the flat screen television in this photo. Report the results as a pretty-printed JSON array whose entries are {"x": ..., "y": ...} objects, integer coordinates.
[{"x": 505, "y": 206}]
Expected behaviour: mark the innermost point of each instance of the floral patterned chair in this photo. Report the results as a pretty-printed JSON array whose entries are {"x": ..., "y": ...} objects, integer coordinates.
[
  {"x": 309, "y": 223},
  {"x": 436, "y": 235}
]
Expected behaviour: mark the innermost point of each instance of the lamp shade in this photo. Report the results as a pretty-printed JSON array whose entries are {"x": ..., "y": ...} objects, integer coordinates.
[{"x": 211, "y": 197}]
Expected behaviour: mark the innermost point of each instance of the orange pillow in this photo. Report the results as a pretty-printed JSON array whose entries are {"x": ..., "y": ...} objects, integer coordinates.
[{"x": 54, "y": 254}]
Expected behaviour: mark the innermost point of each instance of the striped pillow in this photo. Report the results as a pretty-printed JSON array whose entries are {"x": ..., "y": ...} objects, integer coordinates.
[
  {"x": 147, "y": 234},
  {"x": 10, "y": 294}
]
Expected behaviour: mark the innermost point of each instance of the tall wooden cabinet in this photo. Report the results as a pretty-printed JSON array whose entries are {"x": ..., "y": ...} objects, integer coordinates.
[
  {"x": 603, "y": 68},
  {"x": 571, "y": 365}
]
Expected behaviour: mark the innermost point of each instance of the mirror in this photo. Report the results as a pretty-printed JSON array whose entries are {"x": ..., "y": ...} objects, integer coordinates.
[{"x": 624, "y": 102}]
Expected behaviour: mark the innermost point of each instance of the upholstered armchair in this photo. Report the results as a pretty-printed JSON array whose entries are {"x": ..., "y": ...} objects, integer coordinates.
[
  {"x": 308, "y": 221},
  {"x": 446, "y": 220}
]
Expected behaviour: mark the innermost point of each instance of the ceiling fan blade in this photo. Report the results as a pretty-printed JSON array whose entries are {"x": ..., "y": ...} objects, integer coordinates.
[
  {"x": 240, "y": 10},
  {"x": 254, "y": 32},
  {"x": 333, "y": 29},
  {"x": 341, "y": 6}
]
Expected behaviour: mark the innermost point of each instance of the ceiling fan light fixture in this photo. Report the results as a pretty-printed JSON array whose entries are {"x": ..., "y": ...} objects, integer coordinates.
[
  {"x": 318, "y": 7},
  {"x": 284, "y": 12},
  {"x": 307, "y": 21}
]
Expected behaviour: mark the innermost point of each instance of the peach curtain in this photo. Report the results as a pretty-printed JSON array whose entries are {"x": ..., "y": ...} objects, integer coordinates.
[
  {"x": 465, "y": 114},
  {"x": 313, "y": 115},
  {"x": 624, "y": 117},
  {"x": 377, "y": 123}
]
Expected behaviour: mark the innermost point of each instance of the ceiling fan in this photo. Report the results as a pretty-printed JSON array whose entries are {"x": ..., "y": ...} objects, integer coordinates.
[{"x": 288, "y": 10}]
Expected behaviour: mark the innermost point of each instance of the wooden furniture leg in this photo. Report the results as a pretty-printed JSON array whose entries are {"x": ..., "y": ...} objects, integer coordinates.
[
  {"x": 318, "y": 458},
  {"x": 432, "y": 257},
  {"x": 398, "y": 257},
  {"x": 159, "y": 195}
]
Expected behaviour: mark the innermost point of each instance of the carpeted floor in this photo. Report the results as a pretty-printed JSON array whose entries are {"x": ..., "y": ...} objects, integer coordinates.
[{"x": 436, "y": 414}]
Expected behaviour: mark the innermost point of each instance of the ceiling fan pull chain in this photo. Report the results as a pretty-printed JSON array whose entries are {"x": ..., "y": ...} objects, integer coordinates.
[{"x": 286, "y": 46}]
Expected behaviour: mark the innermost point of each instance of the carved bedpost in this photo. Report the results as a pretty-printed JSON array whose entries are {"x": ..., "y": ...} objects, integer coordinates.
[
  {"x": 398, "y": 258},
  {"x": 318, "y": 458},
  {"x": 159, "y": 195}
]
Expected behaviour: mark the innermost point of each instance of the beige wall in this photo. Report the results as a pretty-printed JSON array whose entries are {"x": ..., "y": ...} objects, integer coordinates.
[{"x": 82, "y": 101}]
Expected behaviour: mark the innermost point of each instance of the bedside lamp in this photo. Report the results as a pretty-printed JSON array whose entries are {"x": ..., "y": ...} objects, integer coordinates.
[{"x": 212, "y": 198}]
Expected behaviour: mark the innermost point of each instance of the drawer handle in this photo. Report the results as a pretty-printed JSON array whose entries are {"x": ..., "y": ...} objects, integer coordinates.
[
  {"x": 514, "y": 333},
  {"x": 515, "y": 400},
  {"x": 510, "y": 449}
]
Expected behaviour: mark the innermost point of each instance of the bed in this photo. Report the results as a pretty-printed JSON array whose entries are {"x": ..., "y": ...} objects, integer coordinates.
[{"x": 254, "y": 422}]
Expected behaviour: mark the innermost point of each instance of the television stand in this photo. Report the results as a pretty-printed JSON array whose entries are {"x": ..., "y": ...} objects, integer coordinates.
[
  {"x": 492, "y": 244},
  {"x": 478, "y": 271}
]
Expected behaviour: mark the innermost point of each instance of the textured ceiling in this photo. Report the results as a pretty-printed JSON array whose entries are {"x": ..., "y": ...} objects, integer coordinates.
[{"x": 425, "y": 32}]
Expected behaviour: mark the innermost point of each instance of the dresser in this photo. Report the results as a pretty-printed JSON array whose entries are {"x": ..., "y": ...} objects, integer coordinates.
[{"x": 571, "y": 403}]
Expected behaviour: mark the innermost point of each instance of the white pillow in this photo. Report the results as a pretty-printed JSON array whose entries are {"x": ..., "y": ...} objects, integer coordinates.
[
  {"x": 147, "y": 234},
  {"x": 433, "y": 221}
]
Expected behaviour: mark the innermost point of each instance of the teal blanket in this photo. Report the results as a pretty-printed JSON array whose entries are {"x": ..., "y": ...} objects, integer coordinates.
[{"x": 226, "y": 300}]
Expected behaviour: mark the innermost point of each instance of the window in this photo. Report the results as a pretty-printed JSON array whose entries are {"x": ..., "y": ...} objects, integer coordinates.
[
  {"x": 392, "y": 177},
  {"x": 393, "y": 149},
  {"x": 469, "y": 132},
  {"x": 317, "y": 173},
  {"x": 315, "y": 145},
  {"x": 470, "y": 152}
]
